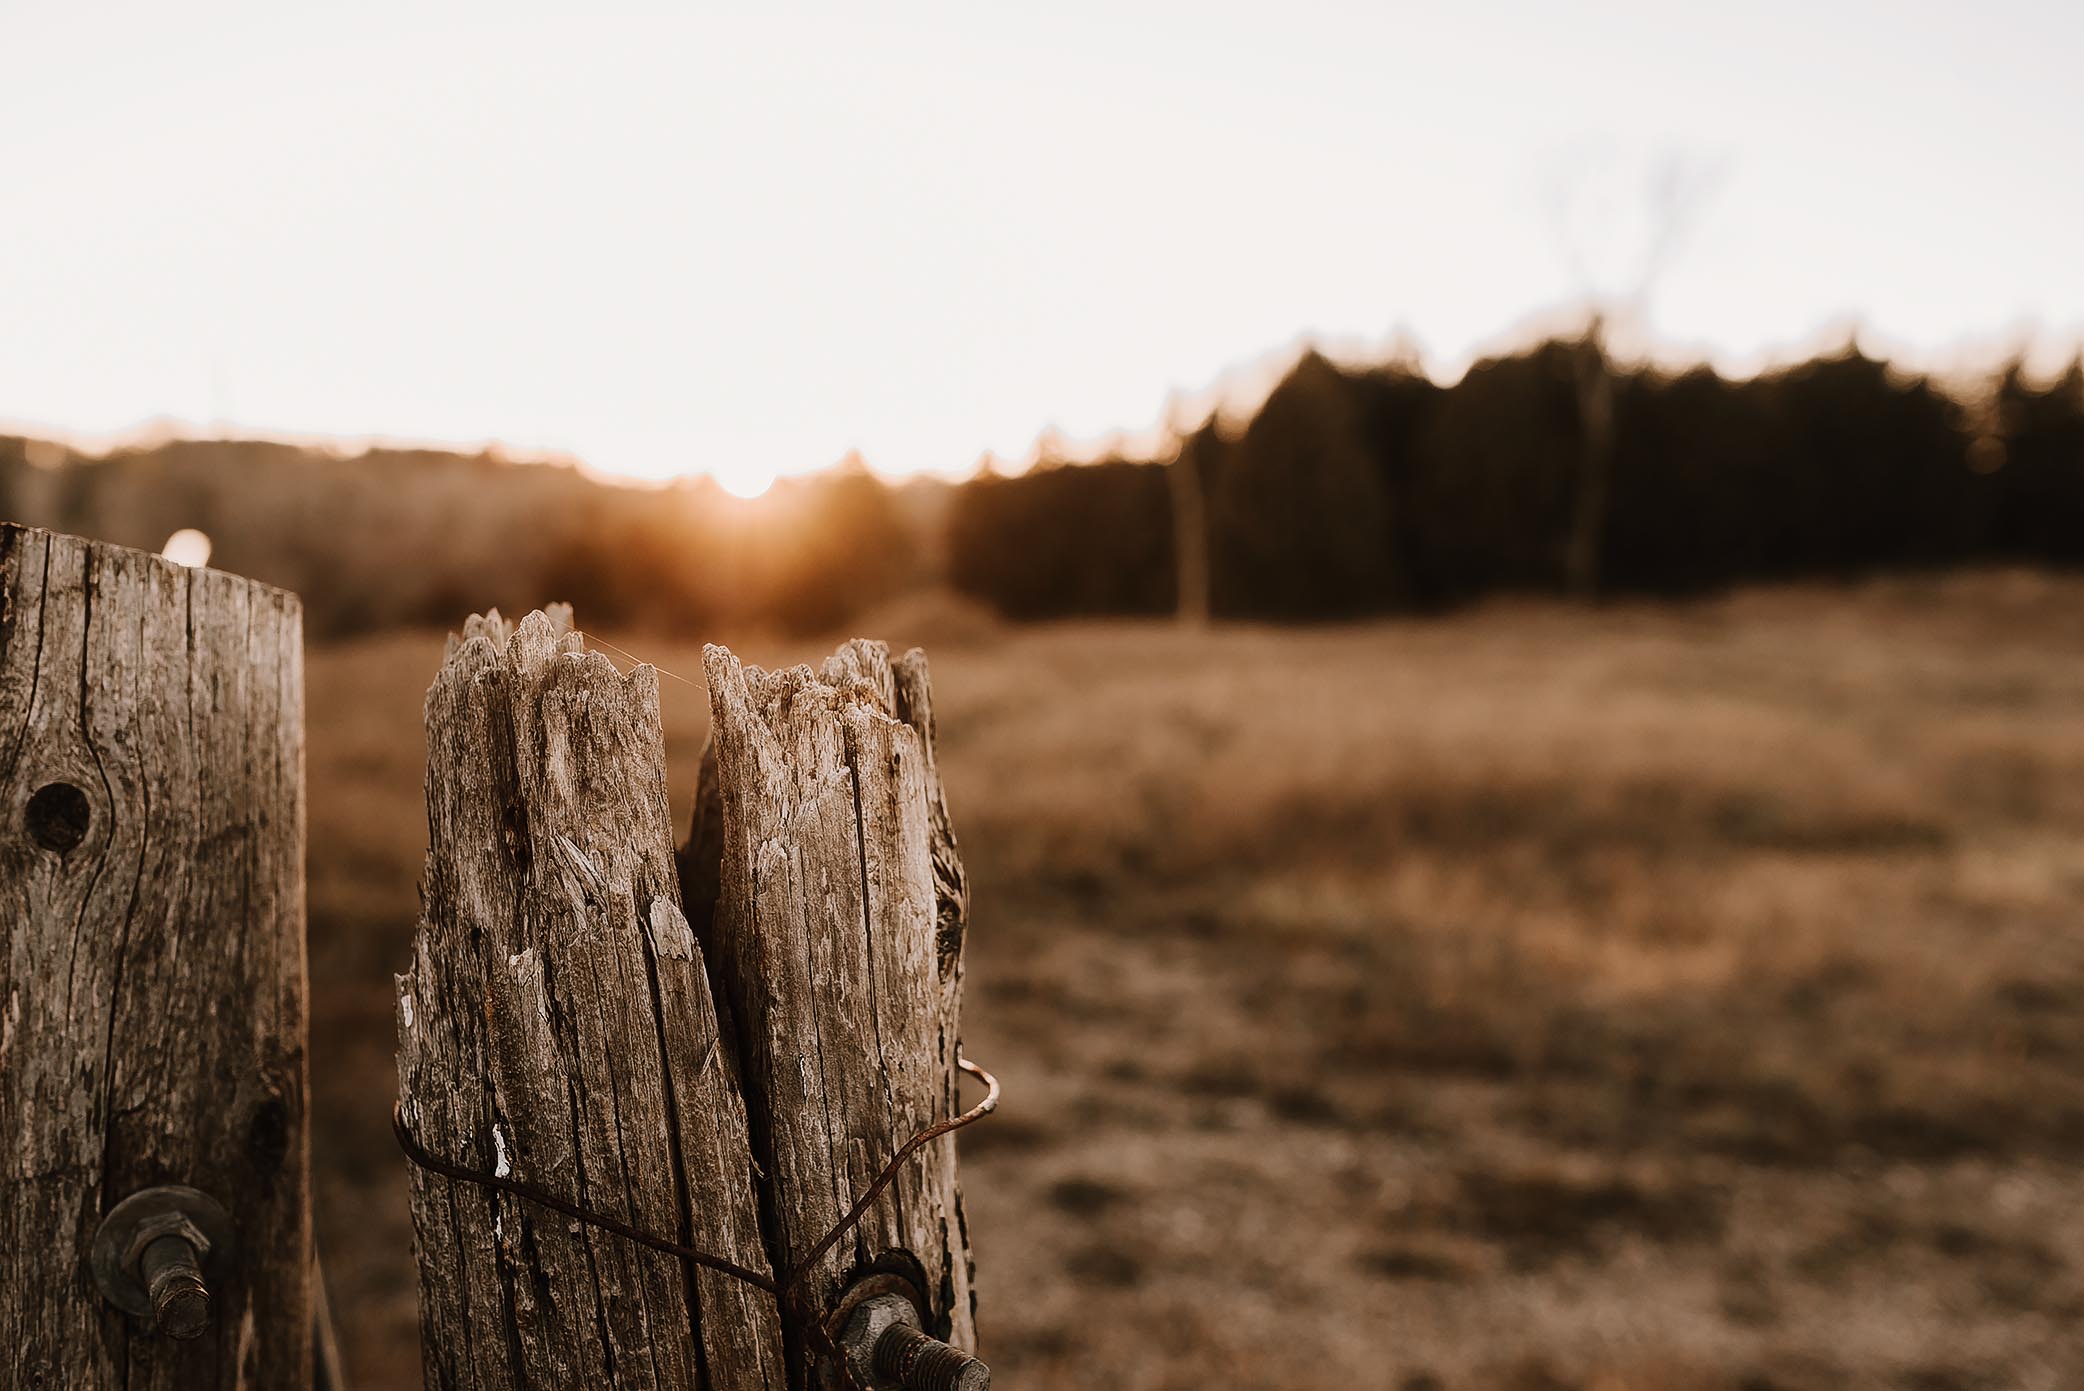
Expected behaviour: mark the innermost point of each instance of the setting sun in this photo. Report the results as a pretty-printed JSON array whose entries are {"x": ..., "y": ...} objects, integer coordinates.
[{"x": 743, "y": 482}]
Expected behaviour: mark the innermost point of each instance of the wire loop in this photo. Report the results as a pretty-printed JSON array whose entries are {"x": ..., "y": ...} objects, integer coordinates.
[{"x": 788, "y": 1289}]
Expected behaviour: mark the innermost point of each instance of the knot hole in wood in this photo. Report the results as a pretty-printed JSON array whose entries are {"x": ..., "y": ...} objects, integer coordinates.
[{"x": 58, "y": 816}]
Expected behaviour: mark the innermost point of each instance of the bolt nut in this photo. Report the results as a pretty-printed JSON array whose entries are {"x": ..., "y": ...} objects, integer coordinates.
[
  {"x": 871, "y": 1319},
  {"x": 154, "y": 1252},
  {"x": 885, "y": 1346},
  {"x": 171, "y": 1223}
]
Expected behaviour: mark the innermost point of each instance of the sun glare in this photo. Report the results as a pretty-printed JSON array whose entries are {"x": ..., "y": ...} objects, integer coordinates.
[
  {"x": 807, "y": 251},
  {"x": 744, "y": 480}
]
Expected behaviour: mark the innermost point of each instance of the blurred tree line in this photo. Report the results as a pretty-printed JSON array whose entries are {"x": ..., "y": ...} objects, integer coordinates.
[
  {"x": 1350, "y": 491},
  {"x": 393, "y": 538},
  {"x": 1367, "y": 490}
]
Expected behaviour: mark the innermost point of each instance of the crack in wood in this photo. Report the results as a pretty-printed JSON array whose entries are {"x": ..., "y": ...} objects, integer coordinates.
[{"x": 742, "y": 1064}]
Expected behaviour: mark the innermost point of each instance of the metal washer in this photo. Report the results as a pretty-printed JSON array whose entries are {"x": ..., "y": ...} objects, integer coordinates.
[{"x": 118, "y": 1230}]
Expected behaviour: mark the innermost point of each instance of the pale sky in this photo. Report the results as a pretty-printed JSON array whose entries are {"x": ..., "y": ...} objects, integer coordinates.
[{"x": 748, "y": 240}]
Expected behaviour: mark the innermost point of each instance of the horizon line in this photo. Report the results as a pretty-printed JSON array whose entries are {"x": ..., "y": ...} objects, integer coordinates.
[{"x": 1241, "y": 389}]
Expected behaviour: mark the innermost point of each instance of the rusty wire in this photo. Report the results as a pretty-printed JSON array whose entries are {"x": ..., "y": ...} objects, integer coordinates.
[{"x": 787, "y": 1290}]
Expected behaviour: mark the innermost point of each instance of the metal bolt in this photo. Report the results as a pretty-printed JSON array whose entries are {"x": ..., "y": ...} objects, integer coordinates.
[
  {"x": 152, "y": 1252},
  {"x": 924, "y": 1363},
  {"x": 173, "y": 1278},
  {"x": 883, "y": 1342}
]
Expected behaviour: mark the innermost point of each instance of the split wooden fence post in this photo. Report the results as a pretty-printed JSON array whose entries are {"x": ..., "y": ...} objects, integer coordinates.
[
  {"x": 152, "y": 995},
  {"x": 726, "y": 1065}
]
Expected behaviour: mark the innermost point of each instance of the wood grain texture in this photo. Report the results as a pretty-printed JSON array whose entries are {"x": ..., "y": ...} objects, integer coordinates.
[
  {"x": 152, "y": 995},
  {"x": 556, "y": 1024},
  {"x": 837, "y": 939}
]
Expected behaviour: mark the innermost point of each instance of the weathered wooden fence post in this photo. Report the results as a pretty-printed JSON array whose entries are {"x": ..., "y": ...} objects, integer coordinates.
[
  {"x": 557, "y": 1026},
  {"x": 838, "y": 930},
  {"x": 152, "y": 996}
]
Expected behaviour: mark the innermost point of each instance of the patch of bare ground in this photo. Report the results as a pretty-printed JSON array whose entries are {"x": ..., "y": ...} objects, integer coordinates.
[{"x": 1654, "y": 998}]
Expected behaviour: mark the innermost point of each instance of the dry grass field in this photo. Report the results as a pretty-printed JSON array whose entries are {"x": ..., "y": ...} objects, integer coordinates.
[{"x": 1657, "y": 998}]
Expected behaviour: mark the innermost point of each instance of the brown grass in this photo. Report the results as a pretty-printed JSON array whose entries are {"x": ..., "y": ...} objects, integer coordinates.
[{"x": 1648, "y": 999}]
